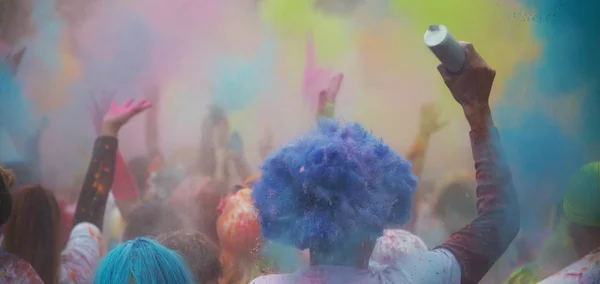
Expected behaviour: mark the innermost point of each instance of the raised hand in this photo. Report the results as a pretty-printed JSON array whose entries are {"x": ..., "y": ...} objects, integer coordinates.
[
  {"x": 99, "y": 106},
  {"x": 329, "y": 95},
  {"x": 315, "y": 78},
  {"x": 118, "y": 116},
  {"x": 472, "y": 86},
  {"x": 430, "y": 120}
]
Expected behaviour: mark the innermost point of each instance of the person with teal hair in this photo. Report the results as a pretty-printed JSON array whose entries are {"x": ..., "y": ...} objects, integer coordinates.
[
  {"x": 143, "y": 261},
  {"x": 576, "y": 241}
]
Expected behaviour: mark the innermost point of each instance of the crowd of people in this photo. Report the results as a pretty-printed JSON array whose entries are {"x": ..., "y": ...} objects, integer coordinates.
[{"x": 335, "y": 205}]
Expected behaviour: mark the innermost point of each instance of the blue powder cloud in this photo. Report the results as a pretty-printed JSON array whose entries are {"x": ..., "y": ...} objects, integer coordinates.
[
  {"x": 15, "y": 110},
  {"x": 541, "y": 150},
  {"x": 239, "y": 81}
]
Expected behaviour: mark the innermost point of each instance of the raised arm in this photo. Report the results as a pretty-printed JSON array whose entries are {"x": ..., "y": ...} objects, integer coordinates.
[
  {"x": 481, "y": 243},
  {"x": 429, "y": 124},
  {"x": 125, "y": 189},
  {"x": 100, "y": 174}
]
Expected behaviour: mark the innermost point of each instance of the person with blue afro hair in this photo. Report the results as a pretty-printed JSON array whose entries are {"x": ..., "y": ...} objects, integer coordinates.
[
  {"x": 336, "y": 185},
  {"x": 334, "y": 190},
  {"x": 143, "y": 261}
]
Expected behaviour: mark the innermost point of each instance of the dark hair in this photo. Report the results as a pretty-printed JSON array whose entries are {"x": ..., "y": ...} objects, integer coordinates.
[
  {"x": 33, "y": 231},
  {"x": 455, "y": 205},
  {"x": 152, "y": 219},
  {"x": 22, "y": 174},
  {"x": 6, "y": 182},
  {"x": 199, "y": 252},
  {"x": 456, "y": 196}
]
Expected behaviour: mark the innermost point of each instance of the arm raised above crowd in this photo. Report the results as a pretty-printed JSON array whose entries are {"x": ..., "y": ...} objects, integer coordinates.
[
  {"x": 100, "y": 174},
  {"x": 481, "y": 243}
]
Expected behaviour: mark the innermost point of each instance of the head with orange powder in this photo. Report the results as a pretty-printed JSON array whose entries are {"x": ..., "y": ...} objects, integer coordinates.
[{"x": 239, "y": 236}]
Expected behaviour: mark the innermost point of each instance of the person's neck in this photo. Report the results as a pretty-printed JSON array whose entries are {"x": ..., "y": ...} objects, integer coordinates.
[{"x": 351, "y": 256}]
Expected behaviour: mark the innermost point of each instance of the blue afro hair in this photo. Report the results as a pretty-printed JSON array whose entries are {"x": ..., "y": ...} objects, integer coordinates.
[{"x": 338, "y": 183}]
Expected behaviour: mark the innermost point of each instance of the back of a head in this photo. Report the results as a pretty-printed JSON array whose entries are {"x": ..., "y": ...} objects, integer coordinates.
[
  {"x": 455, "y": 203},
  {"x": 33, "y": 224},
  {"x": 239, "y": 236},
  {"x": 237, "y": 227},
  {"x": 581, "y": 199},
  {"x": 335, "y": 186},
  {"x": 198, "y": 251},
  {"x": 143, "y": 261},
  {"x": 581, "y": 210},
  {"x": 6, "y": 183},
  {"x": 152, "y": 219}
]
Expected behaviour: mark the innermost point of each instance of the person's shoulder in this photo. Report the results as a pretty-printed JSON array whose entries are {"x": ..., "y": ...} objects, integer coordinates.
[
  {"x": 434, "y": 266},
  {"x": 82, "y": 253},
  {"x": 16, "y": 270},
  {"x": 272, "y": 279},
  {"x": 85, "y": 240},
  {"x": 86, "y": 230},
  {"x": 585, "y": 270}
]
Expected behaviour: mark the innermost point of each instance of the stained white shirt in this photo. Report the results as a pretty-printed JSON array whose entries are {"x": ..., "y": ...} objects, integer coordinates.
[{"x": 431, "y": 267}]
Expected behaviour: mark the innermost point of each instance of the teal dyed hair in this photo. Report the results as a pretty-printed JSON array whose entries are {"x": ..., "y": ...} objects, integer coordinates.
[{"x": 143, "y": 261}]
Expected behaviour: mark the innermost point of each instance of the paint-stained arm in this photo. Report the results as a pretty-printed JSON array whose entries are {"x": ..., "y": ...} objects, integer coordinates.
[
  {"x": 124, "y": 189},
  {"x": 98, "y": 181},
  {"x": 480, "y": 244},
  {"x": 100, "y": 174}
]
